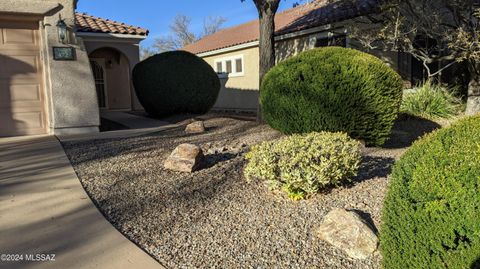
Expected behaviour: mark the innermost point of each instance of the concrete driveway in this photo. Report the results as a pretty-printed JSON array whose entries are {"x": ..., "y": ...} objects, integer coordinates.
[{"x": 46, "y": 215}]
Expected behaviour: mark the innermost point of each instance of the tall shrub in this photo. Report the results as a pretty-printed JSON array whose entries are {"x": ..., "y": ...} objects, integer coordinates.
[
  {"x": 333, "y": 89},
  {"x": 431, "y": 217},
  {"x": 175, "y": 82}
]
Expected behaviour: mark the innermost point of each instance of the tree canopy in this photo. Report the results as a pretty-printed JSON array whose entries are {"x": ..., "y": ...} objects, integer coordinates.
[{"x": 443, "y": 32}]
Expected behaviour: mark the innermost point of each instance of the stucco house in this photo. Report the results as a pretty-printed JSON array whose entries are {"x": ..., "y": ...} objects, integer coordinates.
[
  {"x": 233, "y": 52},
  {"x": 59, "y": 67}
]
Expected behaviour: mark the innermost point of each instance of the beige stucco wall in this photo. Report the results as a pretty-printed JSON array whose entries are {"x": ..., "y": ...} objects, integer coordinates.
[
  {"x": 69, "y": 85},
  {"x": 250, "y": 79},
  {"x": 239, "y": 92},
  {"x": 236, "y": 99},
  {"x": 129, "y": 47},
  {"x": 27, "y": 7},
  {"x": 391, "y": 58},
  {"x": 293, "y": 46},
  {"x": 74, "y": 107},
  {"x": 284, "y": 49}
]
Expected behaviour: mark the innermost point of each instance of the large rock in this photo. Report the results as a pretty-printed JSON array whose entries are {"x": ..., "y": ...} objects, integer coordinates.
[
  {"x": 347, "y": 231},
  {"x": 185, "y": 158},
  {"x": 195, "y": 127}
]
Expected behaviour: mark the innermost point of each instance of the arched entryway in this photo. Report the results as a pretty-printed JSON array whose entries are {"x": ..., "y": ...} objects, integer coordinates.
[{"x": 111, "y": 70}]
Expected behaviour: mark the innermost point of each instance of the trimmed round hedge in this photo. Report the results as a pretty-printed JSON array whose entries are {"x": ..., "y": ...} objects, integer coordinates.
[
  {"x": 175, "y": 82},
  {"x": 333, "y": 89},
  {"x": 431, "y": 217}
]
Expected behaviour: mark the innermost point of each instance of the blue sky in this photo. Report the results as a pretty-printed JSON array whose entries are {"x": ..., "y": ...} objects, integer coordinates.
[{"x": 156, "y": 15}]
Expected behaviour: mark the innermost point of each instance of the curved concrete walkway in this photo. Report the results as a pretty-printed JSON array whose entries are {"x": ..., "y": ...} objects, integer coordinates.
[{"x": 44, "y": 210}]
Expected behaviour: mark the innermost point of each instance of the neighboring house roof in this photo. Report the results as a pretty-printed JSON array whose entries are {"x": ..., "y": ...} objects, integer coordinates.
[
  {"x": 292, "y": 20},
  {"x": 91, "y": 24}
]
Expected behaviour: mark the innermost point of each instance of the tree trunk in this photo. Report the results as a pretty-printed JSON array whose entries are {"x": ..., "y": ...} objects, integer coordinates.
[
  {"x": 473, "y": 102},
  {"x": 267, "y": 42},
  {"x": 266, "y": 12}
]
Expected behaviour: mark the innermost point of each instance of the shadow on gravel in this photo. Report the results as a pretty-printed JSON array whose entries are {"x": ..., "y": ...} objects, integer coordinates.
[
  {"x": 191, "y": 193},
  {"x": 214, "y": 159},
  {"x": 407, "y": 129},
  {"x": 243, "y": 116},
  {"x": 179, "y": 118},
  {"x": 212, "y": 128},
  {"x": 163, "y": 142},
  {"x": 373, "y": 166}
]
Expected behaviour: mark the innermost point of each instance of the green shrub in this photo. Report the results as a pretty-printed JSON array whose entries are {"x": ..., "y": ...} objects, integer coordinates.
[
  {"x": 333, "y": 89},
  {"x": 304, "y": 164},
  {"x": 175, "y": 82},
  {"x": 431, "y": 101},
  {"x": 431, "y": 217}
]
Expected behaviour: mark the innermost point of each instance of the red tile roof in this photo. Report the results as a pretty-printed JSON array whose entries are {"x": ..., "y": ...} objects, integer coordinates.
[
  {"x": 292, "y": 20},
  {"x": 91, "y": 24}
]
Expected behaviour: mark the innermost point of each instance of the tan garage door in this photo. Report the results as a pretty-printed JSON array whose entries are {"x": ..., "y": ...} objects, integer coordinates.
[{"x": 22, "y": 97}]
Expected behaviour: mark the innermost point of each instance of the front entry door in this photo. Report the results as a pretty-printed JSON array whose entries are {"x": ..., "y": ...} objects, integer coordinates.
[{"x": 99, "y": 74}]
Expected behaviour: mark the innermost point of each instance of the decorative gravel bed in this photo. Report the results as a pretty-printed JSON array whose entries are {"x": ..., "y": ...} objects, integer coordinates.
[{"x": 213, "y": 218}]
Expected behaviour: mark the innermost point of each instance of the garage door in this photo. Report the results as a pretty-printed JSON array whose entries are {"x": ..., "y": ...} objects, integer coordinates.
[{"x": 22, "y": 98}]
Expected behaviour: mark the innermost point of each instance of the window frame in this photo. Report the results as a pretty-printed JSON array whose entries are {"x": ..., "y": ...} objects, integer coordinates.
[
  {"x": 330, "y": 38},
  {"x": 216, "y": 67},
  {"x": 233, "y": 60}
]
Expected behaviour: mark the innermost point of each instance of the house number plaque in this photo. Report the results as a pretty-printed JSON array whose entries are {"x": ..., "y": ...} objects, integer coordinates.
[{"x": 64, "y": 54}]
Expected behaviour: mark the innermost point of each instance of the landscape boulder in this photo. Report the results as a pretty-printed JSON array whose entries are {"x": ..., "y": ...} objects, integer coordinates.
[
  {"x": 195, "y": 127},
  {"x": 346, "y": 230},
  {"x": 185, "y": 158}
]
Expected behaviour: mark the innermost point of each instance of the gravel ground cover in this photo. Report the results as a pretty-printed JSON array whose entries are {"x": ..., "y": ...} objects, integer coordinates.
[{"x": 213, "y": 218}]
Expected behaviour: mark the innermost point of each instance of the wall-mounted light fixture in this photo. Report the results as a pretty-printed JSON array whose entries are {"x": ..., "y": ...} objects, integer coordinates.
[{"x": 62, "y": 30}]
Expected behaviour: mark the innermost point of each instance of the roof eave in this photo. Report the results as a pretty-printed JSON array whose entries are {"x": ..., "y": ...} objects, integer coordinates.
[
  {"x": 111, "y": 35},
  {"x": 254, "y": 43}
]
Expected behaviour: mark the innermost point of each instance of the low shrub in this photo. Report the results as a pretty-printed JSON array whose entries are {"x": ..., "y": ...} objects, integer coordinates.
[
  {"x": 175, "y": 82},
  {"x": 333, "y": 89},
  {"x": 431, "y": 217},
  {"x": 432, "y": 101},
  {"x": 304, "y": 164}
]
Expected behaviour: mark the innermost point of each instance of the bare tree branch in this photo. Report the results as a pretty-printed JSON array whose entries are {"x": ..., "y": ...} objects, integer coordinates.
[
  {"x": 211, "y": 25},
  {"x": 182, "y": 35},
  {"x": 180, "y": 29}
]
